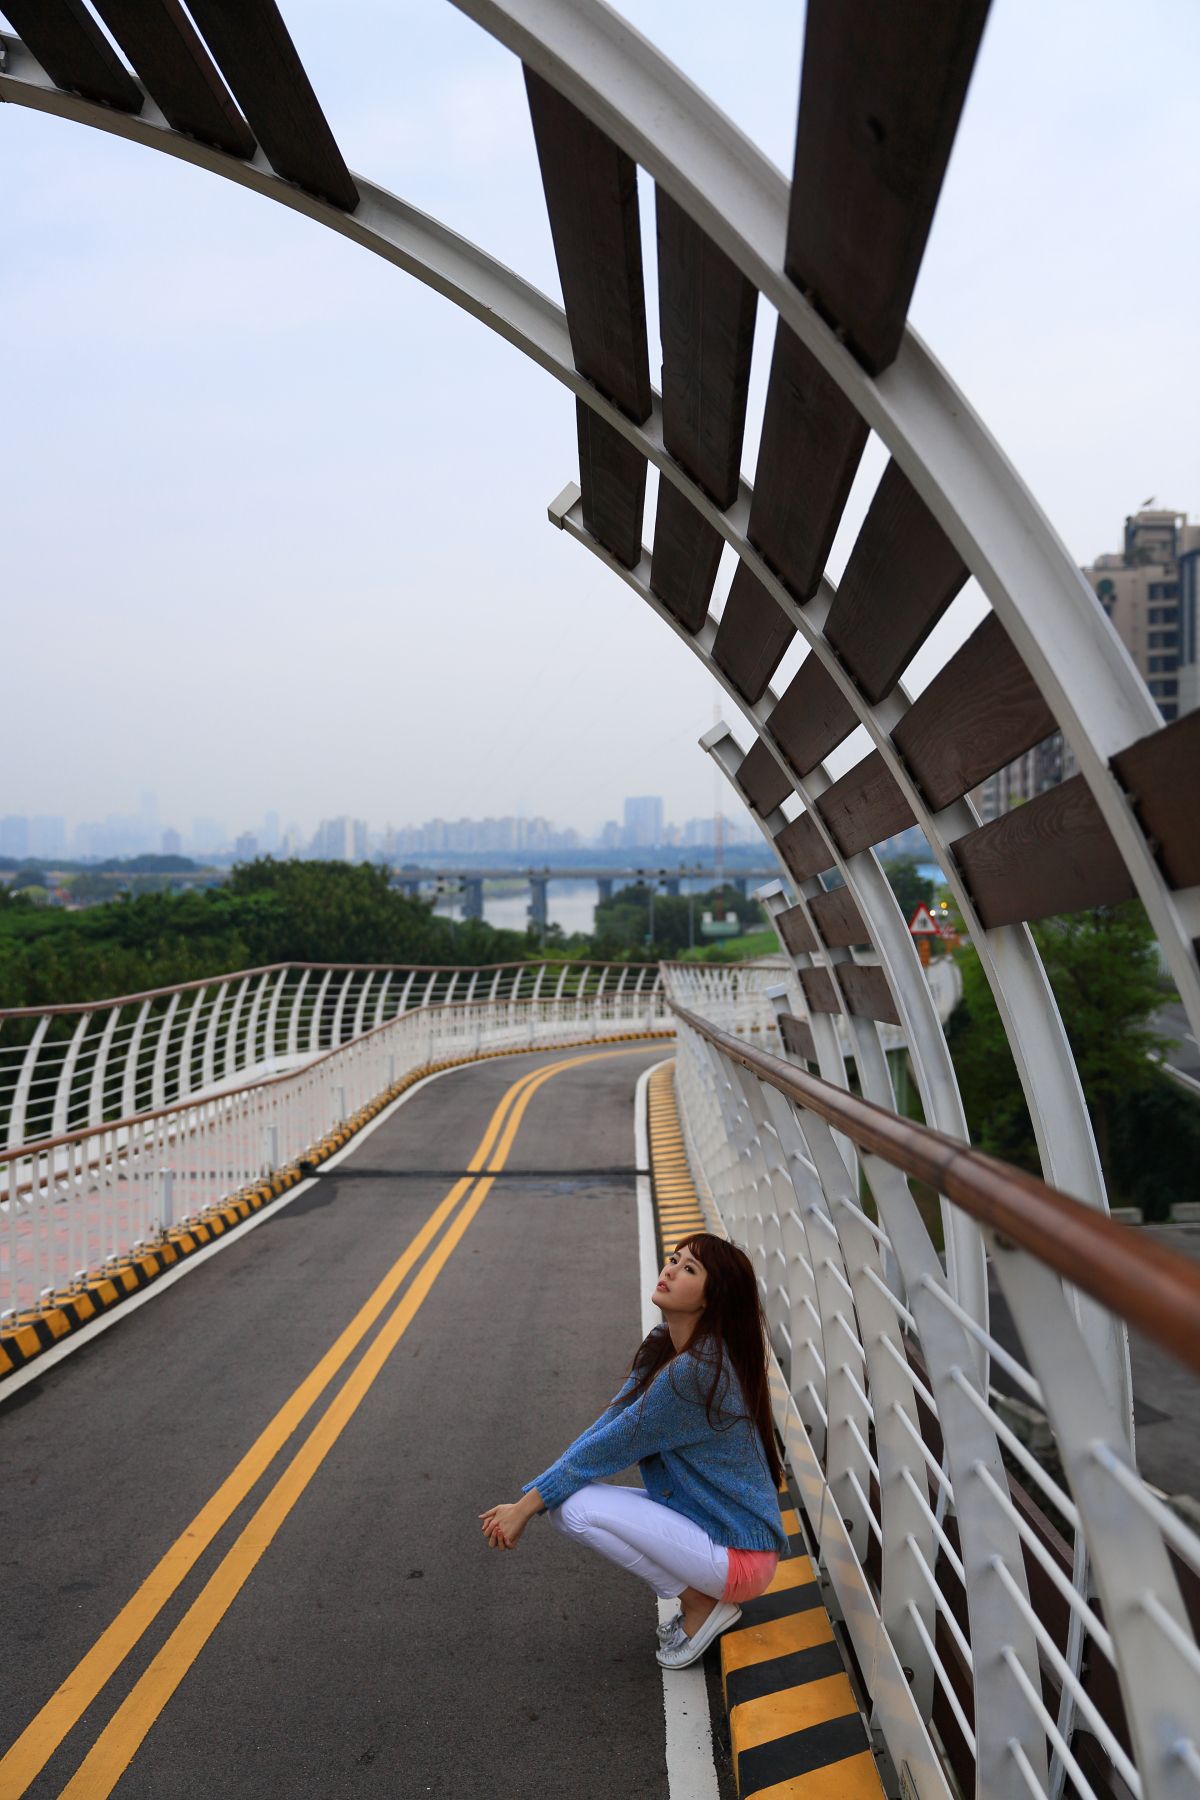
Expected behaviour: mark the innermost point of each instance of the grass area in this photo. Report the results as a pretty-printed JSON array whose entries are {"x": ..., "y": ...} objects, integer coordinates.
[{"x": 734, "y": 949}]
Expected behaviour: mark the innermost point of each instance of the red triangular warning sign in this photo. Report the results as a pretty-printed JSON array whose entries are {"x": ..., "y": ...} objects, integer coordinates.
[{"x": 923, "y": 924}]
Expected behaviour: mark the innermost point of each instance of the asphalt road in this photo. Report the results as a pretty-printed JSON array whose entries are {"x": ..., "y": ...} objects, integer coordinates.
[{"x": 376, "y": 1646}]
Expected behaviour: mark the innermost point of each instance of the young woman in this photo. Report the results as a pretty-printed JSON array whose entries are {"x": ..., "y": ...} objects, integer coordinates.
[{"x": 694, "y": 1414}]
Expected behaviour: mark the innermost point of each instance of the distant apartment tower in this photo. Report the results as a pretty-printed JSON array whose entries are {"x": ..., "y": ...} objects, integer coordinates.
[
  {"x": 172, "y": 843},
  {"x": 1149, "y": 591},
  {"x": 643, "y": 820},
  {"x": 340, "y": 840},
  {"x": 245, "y": 846},
  {"x": 14, "y": 836}
]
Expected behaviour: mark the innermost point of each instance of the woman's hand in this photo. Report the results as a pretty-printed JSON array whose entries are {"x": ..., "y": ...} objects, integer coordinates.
[{"x": 504, "y": 1524}]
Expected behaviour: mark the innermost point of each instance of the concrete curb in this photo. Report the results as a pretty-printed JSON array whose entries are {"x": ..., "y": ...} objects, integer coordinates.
[
  {"x": 795, "y": 1727},
  {"x": 39, "y": 1330}
]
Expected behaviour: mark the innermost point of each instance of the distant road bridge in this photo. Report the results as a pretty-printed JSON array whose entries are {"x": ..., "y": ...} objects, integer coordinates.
[
  {"x": 669, "y": 878},
  {"x": 1007, "y": 1606}
]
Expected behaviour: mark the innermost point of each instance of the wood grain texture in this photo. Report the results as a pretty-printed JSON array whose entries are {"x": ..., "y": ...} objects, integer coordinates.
[
  {"x": 811, "y": 443},
  {"x": 902, "y": 574},
  {"x": 812, "y": 717},
  {"x": 867, "y": 992},
  {"x": 882, "y": 90},
  {"x": 74, "y": 52},
  {"x": 797, "y": 1037},
  {"x": 1161, "y": 775},
  {"x": 177, "y": 72},
  {"x": 796, "y": 932},
  {"x": 865, "y": 806},
  {"x": 1053, "y": 855},
  {"x": 802, "y": 847},
  {"x": 837, "y": 918},
  {"x": 612, "y": 484},
  {"x": 762, "y": 780},
  {"x": 706, "y": 313},
  {"x": 687, "y": 553},
  {"x": 978, "y": 713},
  {"x": 591, "y": 198},
  {"x": 258, "y": 59},
  {"x": 752, "y": 636},
  {"x": 819, "y": 991}
]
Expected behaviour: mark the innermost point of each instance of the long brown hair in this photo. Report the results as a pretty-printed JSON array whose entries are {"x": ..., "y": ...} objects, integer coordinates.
[{"x": 733, "y": 1321}]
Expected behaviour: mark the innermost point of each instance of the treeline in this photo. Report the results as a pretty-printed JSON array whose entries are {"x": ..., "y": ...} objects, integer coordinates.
[
  {"x": 1103, "y": 967},
  {"x": 267, "y": 912}
]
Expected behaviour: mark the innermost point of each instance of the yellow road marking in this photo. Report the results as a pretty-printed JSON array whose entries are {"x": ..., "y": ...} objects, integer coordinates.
[{"x": 120, "y": 1740}]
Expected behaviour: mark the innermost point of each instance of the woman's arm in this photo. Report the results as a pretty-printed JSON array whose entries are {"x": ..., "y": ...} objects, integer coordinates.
[{"x": 666, "y": 1417}]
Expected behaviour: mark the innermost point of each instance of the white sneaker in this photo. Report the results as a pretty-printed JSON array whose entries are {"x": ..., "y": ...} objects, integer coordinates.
[{"x": 681, "y": 1651}]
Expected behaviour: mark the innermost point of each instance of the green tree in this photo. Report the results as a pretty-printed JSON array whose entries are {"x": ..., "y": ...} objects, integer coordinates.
[
  {"x": 1103, "y": 968},
  {"x": 910, "y": 887}
]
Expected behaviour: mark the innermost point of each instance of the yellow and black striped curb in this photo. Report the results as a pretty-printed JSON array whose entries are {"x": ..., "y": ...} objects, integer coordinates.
[
  {"x": 39, "y": 1329},
  {"x": 796, "y": 1732},
  {"x": 677, "y": 1210},
  {"x": 795, "y": 1729}
]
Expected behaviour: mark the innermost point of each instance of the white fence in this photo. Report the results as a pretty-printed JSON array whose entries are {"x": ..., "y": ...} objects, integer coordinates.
[
  {"x": 1020, "y": 1622},
  {"x": 73, "y": 1202},
  {"x": 69, "y": 1068}
]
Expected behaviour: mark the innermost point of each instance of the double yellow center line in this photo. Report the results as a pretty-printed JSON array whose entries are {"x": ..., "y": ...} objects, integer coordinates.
[{"x": 121, "y": 1738}]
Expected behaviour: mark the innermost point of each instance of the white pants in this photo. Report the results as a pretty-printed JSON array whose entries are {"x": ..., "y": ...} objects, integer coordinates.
[{"x": 638, "y": 1534}]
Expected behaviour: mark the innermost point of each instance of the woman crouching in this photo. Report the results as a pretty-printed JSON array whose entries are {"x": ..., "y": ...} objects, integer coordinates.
[{"x": 694, "y": 1414}]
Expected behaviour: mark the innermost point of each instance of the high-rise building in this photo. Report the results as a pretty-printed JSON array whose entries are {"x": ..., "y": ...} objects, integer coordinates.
[
  {"x": 14, "y": 835},
  {"x": 245, "y": 846},
  {"x": 643, "y": 820},
  {"x": 1149, "y": 591},
  {"x": 268, "y": 837},
  {"x": 172, "y": 843},
  {"x": 47, "y": 836}
]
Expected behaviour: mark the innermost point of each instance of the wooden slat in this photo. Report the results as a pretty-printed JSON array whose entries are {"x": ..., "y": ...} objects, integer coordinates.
[
  {"x": 752, "y": 636},
  {"x": 902, "y": 574},
  {"x": 158, "y": 38},
  {"x": 706, "y": 323},
  {"x": 1053, "y": 855},
  {"x": 819, "y": 991},
  {"x": 258, "y": 59},
  {"x": 797, "y": 1037},
  {"x": 978, "y": 713},
  {"x": 882, "y": 90},
  {"x": 867, "y": 992},
  {"x": 838, "y": 919},
  {"x": 802, "y": 847},
  {"x": 796, "y": 932},
  {"x": 811, "y": 443},
  {"x": 1161, "y": 775},
  {"x": 591, "y": 198},
  {"x": 812, "y": 716},
  {"x": 865, "y": 806},
  {"x": 762, "y": 780},
  {"x": 687, "y": 552},
  {"x": 612, "y": 482},
  {"x": 73, "y": 50}
]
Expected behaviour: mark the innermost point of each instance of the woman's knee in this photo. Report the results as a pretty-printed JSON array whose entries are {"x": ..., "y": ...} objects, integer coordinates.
[{"x": 574, "y": 1515}]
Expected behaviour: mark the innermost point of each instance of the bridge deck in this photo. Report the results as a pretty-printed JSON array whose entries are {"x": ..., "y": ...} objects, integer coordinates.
[{"x": 359, "y": 1637}]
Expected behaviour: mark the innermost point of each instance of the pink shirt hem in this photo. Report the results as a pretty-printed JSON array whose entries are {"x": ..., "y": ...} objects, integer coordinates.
[{"x": 750, "y": 1574}]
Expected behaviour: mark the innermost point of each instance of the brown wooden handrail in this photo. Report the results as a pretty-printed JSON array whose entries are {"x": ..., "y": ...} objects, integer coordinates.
[{"x": 1150, "y": 1287}]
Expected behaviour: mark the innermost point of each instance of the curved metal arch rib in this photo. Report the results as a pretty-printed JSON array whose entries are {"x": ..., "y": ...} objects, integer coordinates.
[
  {"x": 535, "y": 325},
  {"x": 740, "y": 199}
]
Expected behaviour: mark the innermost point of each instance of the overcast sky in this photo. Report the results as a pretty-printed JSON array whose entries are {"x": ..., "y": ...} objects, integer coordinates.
[{"x": 274, "y": 516}]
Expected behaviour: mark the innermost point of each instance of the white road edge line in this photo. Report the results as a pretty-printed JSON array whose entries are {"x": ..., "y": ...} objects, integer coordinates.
[
  {"x": 691, "y": 1766},
  {"x": 49, "y": 1358}
]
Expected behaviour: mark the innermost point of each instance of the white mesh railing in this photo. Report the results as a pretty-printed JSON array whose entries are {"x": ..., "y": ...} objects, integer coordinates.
[
  {"x": 68, "y": 1068},
  {"x": 1025, "y": 1624},
  {"x": 71, "y": 1203}
]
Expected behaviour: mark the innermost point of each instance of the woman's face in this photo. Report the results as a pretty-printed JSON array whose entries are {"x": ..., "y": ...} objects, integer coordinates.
[{"x": 680, "y": 1290}]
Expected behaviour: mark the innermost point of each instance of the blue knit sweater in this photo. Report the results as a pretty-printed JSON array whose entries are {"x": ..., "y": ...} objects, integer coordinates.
[{"x": 714, "y": 1474}]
